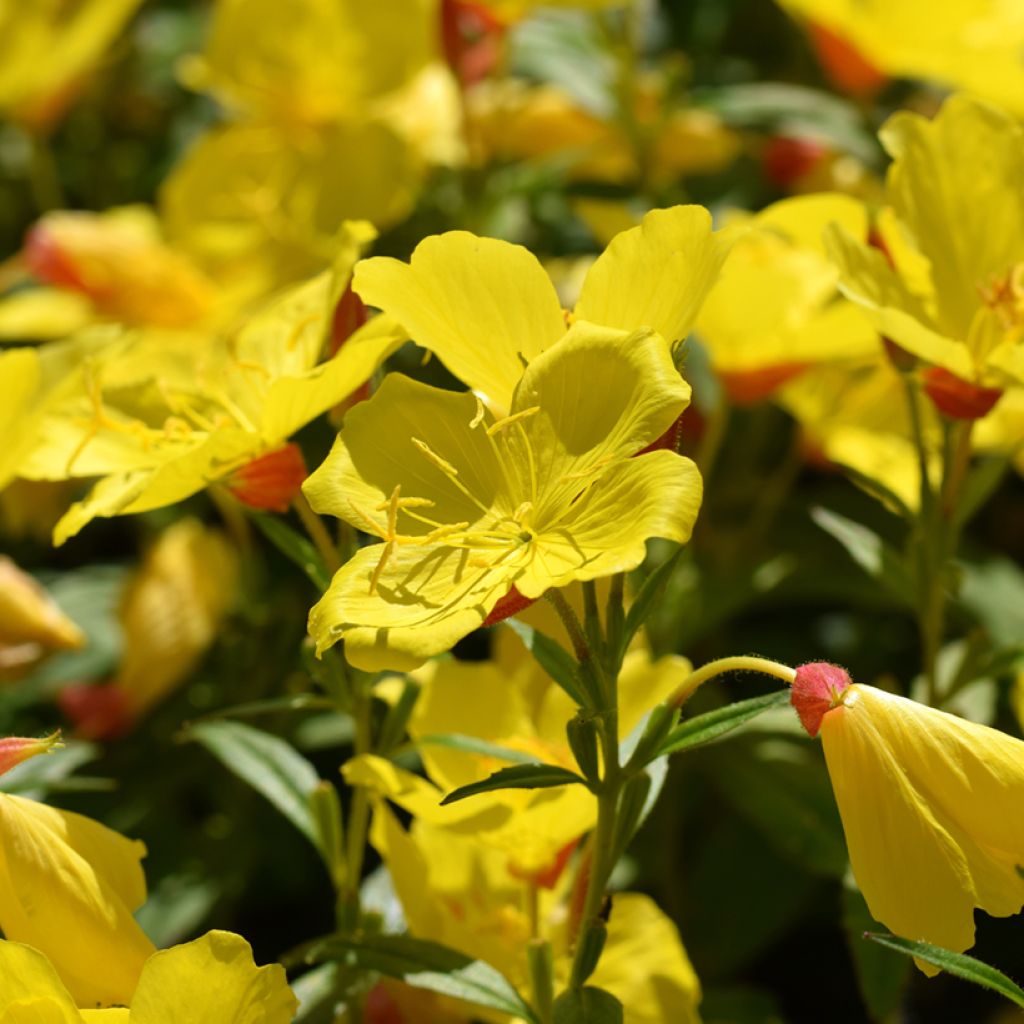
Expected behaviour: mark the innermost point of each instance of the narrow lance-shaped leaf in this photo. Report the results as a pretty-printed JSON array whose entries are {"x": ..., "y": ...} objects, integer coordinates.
[
  {"x": 427, "y": 965},
  {"x": 710, "y": 726},
  {"x": 267, "y": 763},
  {"x": 552, "y": 657},
  {"x": 959, "y": 964},
  {"x": 649, "y": 592},
  {"x": 294, "y": 546},
  {"x": 520, "y": 776}
]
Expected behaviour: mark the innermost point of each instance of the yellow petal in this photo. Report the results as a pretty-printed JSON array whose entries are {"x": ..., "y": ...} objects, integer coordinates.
[
  {"x": 68, "y": 887},
  {"x": 41, "y": 314},
  {"x": 481, "y": 305},
  {"x": 32, "y": 992},
  {"x": 655, "y": 275},
  {"x": 212, "y": 980}
]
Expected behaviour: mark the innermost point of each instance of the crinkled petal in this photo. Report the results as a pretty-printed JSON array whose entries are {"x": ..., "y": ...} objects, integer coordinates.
[
  {"x": 655, "y": 275},
  {"x": 481, "y": 305}
]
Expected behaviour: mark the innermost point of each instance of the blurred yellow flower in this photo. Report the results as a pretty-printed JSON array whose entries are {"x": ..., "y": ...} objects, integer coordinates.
[
  {"x": 47, "y": 48},
  {"x": 774, "y": 310},
  {"x": 212, "y": 979},
  {"x": 945, "y": 281},
  {"x": 930, "y": 805}
]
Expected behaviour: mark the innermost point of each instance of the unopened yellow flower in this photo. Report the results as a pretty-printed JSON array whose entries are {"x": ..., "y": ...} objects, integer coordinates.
[
  {"x": 930, "y": 805},
  {"x": 485, "y": 307},
  {"x": 28, "y": 615},
  {"x": 775, "y": 310},
  {"x": 467, "y": 505},
  {"x": 948, "y": 284},
  {"x": 212, "y": 979},
  {"x": 47, "y": 48}
]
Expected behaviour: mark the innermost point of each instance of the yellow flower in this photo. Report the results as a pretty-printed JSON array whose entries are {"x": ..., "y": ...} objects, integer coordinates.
[
  {"x": 947, "y": 281},
  {"x": 161, "y": 415},
  {"x": 68, "y": 888},
  {"x": 212, "y": 979},
  {"x": 455, "y": 891},
  {"x": 973, "y": 46},
  {"x": 47, "y": 48},
  {"x": 458, "y": 289},
  {"x": 467, "y": 505},
  {"x": 930, "y": 805},
  {"x": 511, "y": 703},
  {"x": 775, "y": 311}
]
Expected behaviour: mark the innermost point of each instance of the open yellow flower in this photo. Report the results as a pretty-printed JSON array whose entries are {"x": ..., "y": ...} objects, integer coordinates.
[
  {"x": 456, "y": 891},
  {"x": 485, "y": 306},
  {"x": 775, "y": 310},
  {"x": 212, "y": 979},
  {"x": 161, "y": 415},
  {"x": 930, "y": 805},
  {"x": 511, "y": 703},
  {"x": 948, "y": 282},
  {"x": 467, "y": 505}
]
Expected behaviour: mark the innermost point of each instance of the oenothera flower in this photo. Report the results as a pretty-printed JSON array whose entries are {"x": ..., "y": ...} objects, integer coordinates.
[
  {"x": 931, "y": 806},
  {"x": 946, "y": 281},
  {"x": 456, "y": 891},
  {"x": 513, "y": 705},
  {"x": 485, "y": 306},
  {"x": 160, "y": 416},
  {"x": 467, "y": 505},
  {"x": 775, "y": 310},
  {"x": 68, "y": 888},
  {"x": 974, "y": 46},
  {"x": 212, "y": 979}
]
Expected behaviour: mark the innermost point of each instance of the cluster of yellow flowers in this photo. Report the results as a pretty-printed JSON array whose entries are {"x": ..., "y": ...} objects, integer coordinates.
[{"x": 182, "y": 349}]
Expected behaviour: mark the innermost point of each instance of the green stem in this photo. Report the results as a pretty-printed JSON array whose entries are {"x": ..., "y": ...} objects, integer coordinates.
[
  {"x": 738, "y": 663},
  {"x": 318, "y": 534},
  {"x": 44, "y": 178},
  {"x": 359, "y": 809}
]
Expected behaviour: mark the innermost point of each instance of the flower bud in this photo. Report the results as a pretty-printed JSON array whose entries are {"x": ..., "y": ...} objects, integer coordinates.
[
  {"x": 272, "y": 481},
  {"x": 957, "y": 398},
  {"x": 511, "y": 604},
  {"x": 15, "y": 749},
  {"x": 28, "y": 615},
  {"x": 844, "y": 65},
  {"x": 817, "y": 688},
  {"x": 787, "y": 159}
]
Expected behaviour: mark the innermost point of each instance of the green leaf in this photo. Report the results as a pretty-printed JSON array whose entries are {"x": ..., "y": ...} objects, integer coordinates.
[
  {"x": 649, "y": 592},
  {"x": 587, "y": 1006},
  {"x": 981, "y": 483},
  {"x": 267, "y": 763},
  {"x": 38, "y": 776},
  {"x": 710, "y": 726},
  {"x": 552, "y": 657},
  {"x": 475, "y": 745},
  {"x": 958, "y": 964},
  {"x": 520, "y": 776},
  {"x": 427, "y": 965},
  {"x": 270, "y": 706},
  {"x": 294, "y": 546},
  {"x": 882, "y": 978},
  {"x": 877, "y": 558}
]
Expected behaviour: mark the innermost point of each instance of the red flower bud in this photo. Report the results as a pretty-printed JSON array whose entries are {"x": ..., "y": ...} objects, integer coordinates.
[
  {"x": 817, "y": 688},
  {"x": 381, "y": 1008},
  {"x": 272, "y": 481},
  {"x": 669, "y": 441},
  {"x": 844, "y": 65},
  {"x": 957, "y": 398},
  {"x": 98, "y": 712},
  {"x": 745, "y": 387},
  {"x": 349, "y": 315},
  {"x": 471, "y": 35},
  {"x": 15, "y": 749},
  {"x": 787, "y": 159}
]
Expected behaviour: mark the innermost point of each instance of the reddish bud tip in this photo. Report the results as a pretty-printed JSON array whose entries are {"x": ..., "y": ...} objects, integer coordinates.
[
  {"x": 98, "y": 712},
  {"x": 817, "y": 688},
  {"x": 15, "y": 749},
  {"x": 471, "y": 35},
  {"x": 511, "y": 604},
  {"x": 381, "y": 1008},
  {"x": 746, "y": 387},
  {"x": 844, "y": 65},
  {"x": 272, "y": 481},
  {"x": 669, "y": 441},
  {"x": 48, "y": 262},
  {"x": 786, "y": 159},
  {"x": 957, "y": 398},
  {"x": 350, "y": 314}
]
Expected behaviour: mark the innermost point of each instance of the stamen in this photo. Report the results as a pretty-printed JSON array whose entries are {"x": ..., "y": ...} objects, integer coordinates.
[
  {"x": 481, "y": 411},
  {"x": 446, "y": 467},
  {"x": 385, "y": 557},
  {"x": 515, "y": 417}
]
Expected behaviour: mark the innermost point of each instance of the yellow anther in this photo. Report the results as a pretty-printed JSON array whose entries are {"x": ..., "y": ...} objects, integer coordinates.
[
  {"x": 446, "y": 467},
  {"x": 523, "y": 511},
  {"x": 507, "y": 421}
]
